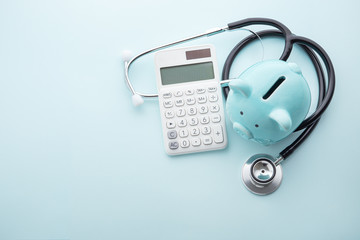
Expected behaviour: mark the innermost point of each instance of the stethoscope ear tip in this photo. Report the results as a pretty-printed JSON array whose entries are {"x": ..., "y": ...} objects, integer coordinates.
[
  {"x": 137, "y": 100},
  {"x": 126, "y": 55}
]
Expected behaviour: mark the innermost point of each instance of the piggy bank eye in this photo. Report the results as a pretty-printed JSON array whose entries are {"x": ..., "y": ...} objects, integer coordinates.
[
  {"x": 241, "y": 113},
  {"x": 256, "y": 125}
]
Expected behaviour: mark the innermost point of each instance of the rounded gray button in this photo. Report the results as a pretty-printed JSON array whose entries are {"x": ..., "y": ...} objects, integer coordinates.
[
  {"x": 173, "y": 145},
  {"x": 172, "y": 134}
]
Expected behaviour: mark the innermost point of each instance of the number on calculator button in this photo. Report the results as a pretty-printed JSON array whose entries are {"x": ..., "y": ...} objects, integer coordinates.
[
  {"x": 183, "y": 133},
  {"x": 180, "y": 112},
  {"x": 203, "y": 109},
  {"x": 185, "y": 143},
  {"x": 182, "y": 123},
  {"x": 192, "y": 111},
  {"x": 193, "y": 121},
  {"x": 206, "y": 130},
  {"x": 194, "y": 131},
  {"x": 205, "y": 119}
]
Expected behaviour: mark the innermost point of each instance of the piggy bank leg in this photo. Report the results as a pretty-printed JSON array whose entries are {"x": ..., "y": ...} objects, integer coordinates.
[{"x": 242, "y": 130}]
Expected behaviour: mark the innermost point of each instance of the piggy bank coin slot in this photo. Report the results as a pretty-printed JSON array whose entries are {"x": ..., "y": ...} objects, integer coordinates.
[{"x": 274, "y": 87}]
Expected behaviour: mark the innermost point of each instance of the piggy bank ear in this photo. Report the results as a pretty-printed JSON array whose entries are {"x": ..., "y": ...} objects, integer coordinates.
[
  {"x": 294, "y": 67},
  {"x": 282, "y": 118},
  {"x": 240, "y": 86}
]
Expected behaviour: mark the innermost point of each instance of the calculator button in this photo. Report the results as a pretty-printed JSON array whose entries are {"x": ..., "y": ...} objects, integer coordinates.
[
  {"x": 201, "y": 99},
  {"x": 190, "y": 101},
  {"x": 168, "y": 103},
  {"x": 214, "y": 108},
  {"x": 185, "y": 143},
  {"x": 169, "y": 114},
  {"x": 167, "y": 95},
  {"x": 203, "y": 109},
  {"x": 194, "y": 131},
  {"x": 212, "y": 89},
  {"x": 183, "y": 133},
  {"x": 173, "y": 145},
  {"x": 216, "y": 118},
  {"x": 200, "y": 90},
  {"x": 179, "y": 102},
  {"x": 189, "y": 92},
  {"x": 182, "y": 123},
  {"x": 205, "y": 119},
  {"x": 207, "y": 140},
  {"x": 172, "y": 134},
  {"x": 213, "y": 98},
  {"x": 196, "y": 142},
  {"x": 192, "y": 111},
  {"x": 193, "y": 121},
  {"x": 170, "y": 124},
  {"x": 206, "y": 130},
  {"x": 178, "y": 93},
  {"x": 218, "y": 134},
  {"x": 180, "y": 112}
]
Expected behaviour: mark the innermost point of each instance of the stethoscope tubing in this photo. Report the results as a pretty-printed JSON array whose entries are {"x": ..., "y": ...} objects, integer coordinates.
[
  {"x": 309, "y": 127},
  {"x": 308, "y": 45},
  {"x": 127, "y": 64}
]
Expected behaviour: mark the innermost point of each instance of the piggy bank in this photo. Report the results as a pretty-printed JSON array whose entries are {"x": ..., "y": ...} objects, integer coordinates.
[{"x": 268, "y": 101}]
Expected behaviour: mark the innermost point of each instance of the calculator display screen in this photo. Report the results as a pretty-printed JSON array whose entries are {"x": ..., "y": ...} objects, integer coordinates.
[{"x": 187, "y": 73}]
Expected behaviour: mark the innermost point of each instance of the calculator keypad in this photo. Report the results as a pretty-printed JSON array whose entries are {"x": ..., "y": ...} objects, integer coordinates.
[{"x": 193, "y": 119}]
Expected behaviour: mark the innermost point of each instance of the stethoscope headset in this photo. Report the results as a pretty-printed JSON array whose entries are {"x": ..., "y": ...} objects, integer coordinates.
[{"x": 262, "y": 173}]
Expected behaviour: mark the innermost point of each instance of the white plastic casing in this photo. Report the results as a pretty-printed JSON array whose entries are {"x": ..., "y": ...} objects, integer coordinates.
[{"x": 215, "y": 114}]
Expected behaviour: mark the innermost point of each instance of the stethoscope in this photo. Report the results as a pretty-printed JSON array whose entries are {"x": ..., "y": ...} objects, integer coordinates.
[{"x": 262, "y": 173}]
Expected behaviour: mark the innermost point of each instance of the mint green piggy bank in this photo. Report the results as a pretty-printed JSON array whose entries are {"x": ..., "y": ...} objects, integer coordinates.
[{"x": 268, "y": 101}]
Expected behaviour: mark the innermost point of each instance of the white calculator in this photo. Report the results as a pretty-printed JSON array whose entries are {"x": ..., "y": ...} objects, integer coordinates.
[{"x": 190, "y": 98}]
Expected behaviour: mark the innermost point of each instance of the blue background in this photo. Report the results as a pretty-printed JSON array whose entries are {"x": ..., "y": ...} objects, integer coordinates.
[{"x": 78, "y": 161}]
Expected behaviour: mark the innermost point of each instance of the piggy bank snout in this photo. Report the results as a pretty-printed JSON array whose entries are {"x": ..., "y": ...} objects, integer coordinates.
[{"x": 243, "y": 131}]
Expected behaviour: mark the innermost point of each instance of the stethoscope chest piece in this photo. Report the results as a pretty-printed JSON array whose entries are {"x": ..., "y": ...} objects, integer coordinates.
[{"x": 260, "y": 175}]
